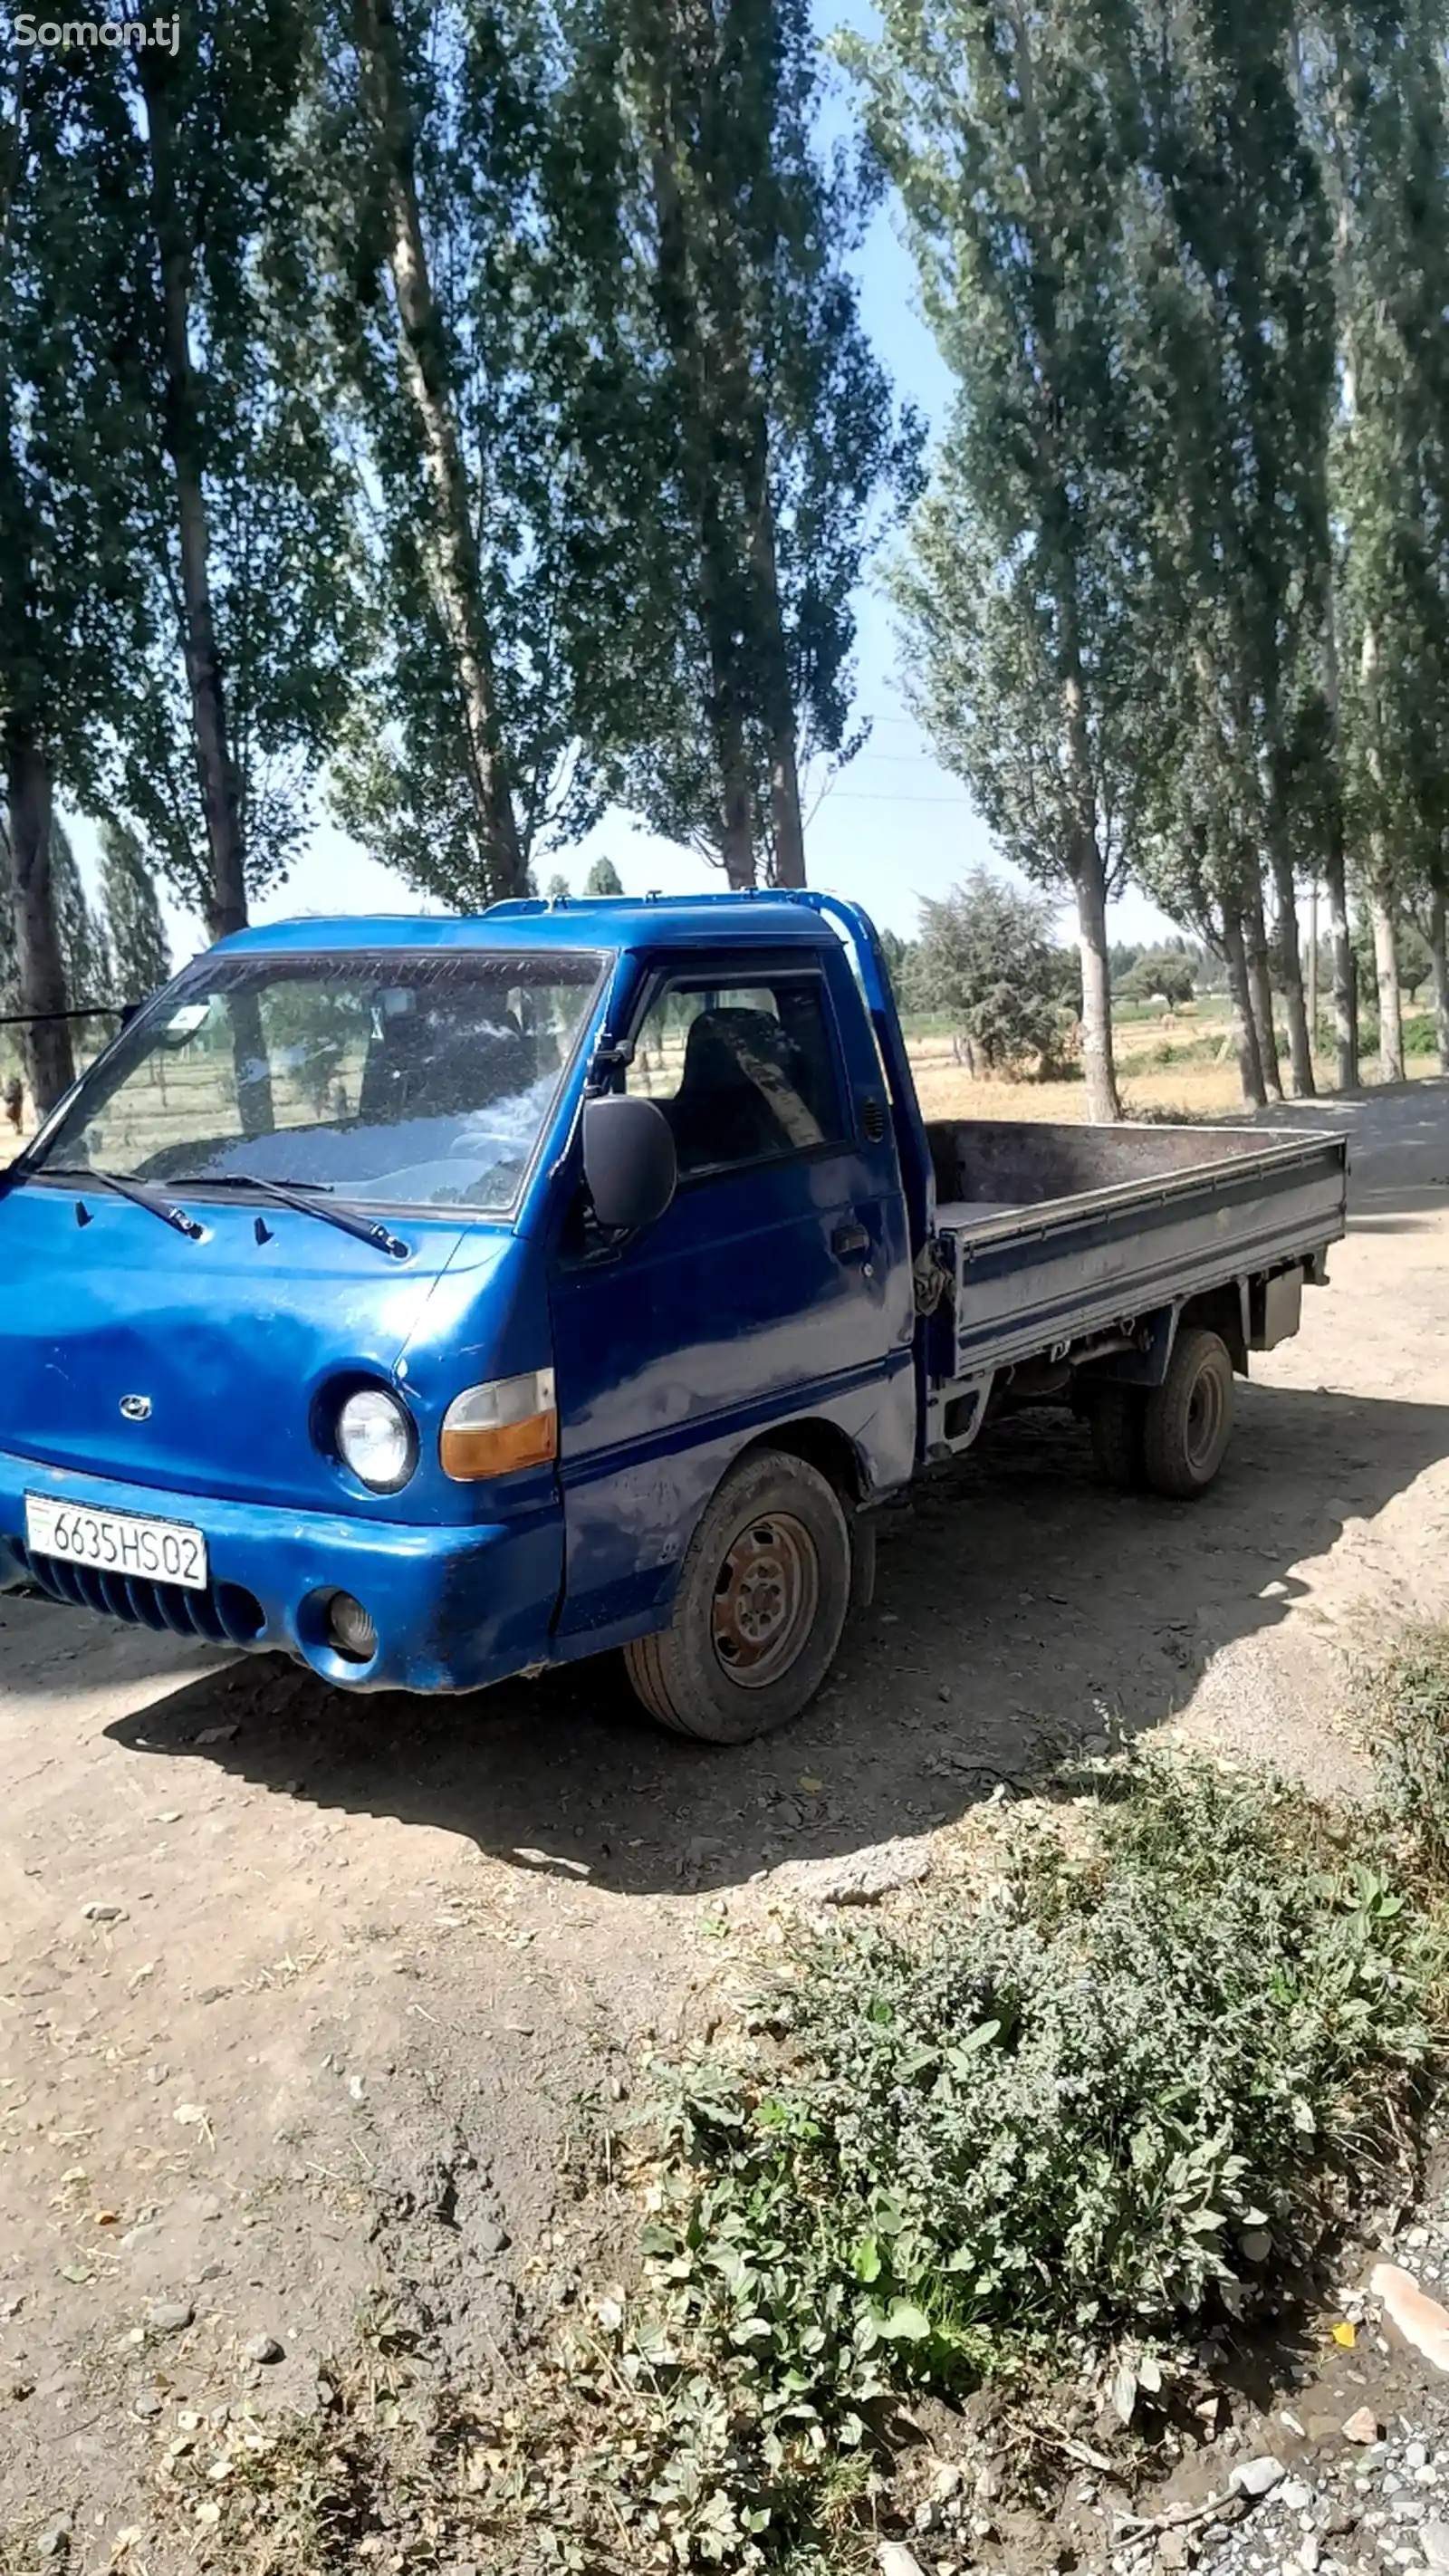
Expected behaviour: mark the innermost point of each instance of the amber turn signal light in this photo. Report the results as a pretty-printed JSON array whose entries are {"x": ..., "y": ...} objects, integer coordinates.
[{"x": 490, "y": 1430}]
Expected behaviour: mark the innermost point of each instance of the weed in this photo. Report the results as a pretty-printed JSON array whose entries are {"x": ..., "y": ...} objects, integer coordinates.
[
  {"x": 1403, "y": 1710},
  {"x": 1113, "y": 2106}
]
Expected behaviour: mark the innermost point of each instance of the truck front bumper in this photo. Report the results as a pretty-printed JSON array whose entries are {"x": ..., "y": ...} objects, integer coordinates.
[{"x": 453, "y": 1607}]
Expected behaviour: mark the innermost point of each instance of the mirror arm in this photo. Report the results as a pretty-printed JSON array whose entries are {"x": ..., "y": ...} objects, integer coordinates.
[{"x": 611, "y": 1056}]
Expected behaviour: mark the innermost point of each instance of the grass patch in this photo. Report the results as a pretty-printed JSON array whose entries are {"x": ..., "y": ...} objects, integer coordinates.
[{"x": 1062, "y": 2129}]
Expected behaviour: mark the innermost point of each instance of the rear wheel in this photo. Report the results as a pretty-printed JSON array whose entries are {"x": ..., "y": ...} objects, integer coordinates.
[
  {"x": 1189, "y": 1418},
  {"x": 762, "y": 1598}
]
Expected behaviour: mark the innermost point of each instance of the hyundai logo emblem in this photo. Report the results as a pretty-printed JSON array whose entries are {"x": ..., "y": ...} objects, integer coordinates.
[{"x": 136, "y": 1408}]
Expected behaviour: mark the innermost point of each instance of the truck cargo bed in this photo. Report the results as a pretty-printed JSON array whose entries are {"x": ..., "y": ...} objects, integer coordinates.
[{"x": 1054, "y": 1233}]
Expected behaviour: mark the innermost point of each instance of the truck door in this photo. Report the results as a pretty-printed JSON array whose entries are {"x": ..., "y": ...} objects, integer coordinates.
[{"x": 777, "y": 1285}]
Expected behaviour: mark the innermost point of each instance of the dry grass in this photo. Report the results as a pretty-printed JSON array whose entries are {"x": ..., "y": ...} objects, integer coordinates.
[{"x": 1204, "y": 1090}]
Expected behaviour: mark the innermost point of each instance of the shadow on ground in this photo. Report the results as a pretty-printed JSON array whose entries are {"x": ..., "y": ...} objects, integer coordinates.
[{"x": 1017, "y": 1598}]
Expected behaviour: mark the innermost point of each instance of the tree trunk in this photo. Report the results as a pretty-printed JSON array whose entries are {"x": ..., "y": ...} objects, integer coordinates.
[
  {"x": 1260, "y": 986},
  {"x": 1345, "y": 964},
  {"x": 1300, "y": 1044},
  {"x": 737, "y": 832},
  {"x": 1313, "y": 965},
  {"x": 785, "y": 815},
  {"x": 227, "y": 908},
  {"x": 39, "y": 966},
  {"x": 1089, "y": 878},
  {"x": 787, "y": 827},
  {"x": 1386, "y": 969},
  {"x": 454, "y": 565},
  {"x": 1440, "y": 949},
  {"x": 1103, "y": 1102},
  {"x": 1245, "y": 1031}
]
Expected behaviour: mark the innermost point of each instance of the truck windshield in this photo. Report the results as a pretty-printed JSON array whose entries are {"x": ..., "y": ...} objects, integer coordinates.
[{"x": 411, "y": 1080}]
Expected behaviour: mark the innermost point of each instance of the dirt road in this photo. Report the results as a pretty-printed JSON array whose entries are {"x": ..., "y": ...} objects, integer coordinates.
[{"x": 307, "y": 2001}]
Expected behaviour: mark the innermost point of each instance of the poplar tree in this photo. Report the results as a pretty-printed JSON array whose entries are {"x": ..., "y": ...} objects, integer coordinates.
[
  {"x": 1376, "y": 83},
  {"x": 1241, "y": 327},
  {"x": 780, "y": 455},
  {"x": 72, "y": 607},
  {"x": 250, "y": 539},
  {"x": 1015, "y": 139},
  {"x": 140, "y": 951},
  {"x": 477, "y": 254}
]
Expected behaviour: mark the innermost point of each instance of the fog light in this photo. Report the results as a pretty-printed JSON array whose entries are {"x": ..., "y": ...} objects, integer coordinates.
[{"x": 350, "y": 1630}]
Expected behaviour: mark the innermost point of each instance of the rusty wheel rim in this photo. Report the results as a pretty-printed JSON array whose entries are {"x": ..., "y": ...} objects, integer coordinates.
[{"x": 765, "y": 1598}]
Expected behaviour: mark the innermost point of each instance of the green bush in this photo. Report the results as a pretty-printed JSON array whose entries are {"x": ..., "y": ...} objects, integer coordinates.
[
  {"x": 1419, "y": 1035},
  {"x": 1403, "y": 1709},
  {"x": 1112, "y": 2105}
]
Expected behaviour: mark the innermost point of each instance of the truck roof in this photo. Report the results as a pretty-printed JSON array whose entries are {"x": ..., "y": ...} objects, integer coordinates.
[{"x": 602, "y": 921}]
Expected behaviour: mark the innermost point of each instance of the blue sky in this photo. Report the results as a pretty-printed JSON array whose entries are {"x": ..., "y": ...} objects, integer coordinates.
[{"x": 894, "y": 825}]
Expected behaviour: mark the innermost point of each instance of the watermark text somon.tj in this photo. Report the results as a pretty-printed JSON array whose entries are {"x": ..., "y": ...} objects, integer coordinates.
[{"x": 109, "y": 35}]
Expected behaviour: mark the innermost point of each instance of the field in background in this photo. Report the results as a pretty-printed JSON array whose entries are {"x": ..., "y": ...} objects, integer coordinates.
[{"x": 1199, "y": 1079}]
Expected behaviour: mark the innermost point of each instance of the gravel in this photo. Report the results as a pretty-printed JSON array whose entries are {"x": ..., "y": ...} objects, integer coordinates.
[{"x": 1347, "y": 2470}]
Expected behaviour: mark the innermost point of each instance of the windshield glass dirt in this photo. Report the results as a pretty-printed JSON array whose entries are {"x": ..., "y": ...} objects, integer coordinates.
[{"x": 410, "y": 1080}]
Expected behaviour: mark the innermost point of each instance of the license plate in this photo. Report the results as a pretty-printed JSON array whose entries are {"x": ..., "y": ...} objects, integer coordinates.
[{"x": 116, "y": 1542}]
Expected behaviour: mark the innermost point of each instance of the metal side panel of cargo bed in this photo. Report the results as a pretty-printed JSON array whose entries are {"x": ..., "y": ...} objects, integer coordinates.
[{"x": 1052, "y": 1233}]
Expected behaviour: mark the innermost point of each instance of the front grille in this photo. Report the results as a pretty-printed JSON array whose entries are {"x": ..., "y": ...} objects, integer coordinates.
[{"x": 225, "y": 1614}]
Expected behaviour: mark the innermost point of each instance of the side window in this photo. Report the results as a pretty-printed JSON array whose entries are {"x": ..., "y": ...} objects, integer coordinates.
[{"x": 742, "y": 1072}]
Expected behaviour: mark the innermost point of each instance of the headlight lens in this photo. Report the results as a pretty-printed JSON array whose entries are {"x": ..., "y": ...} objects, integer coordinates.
[{"x": 376, "y": 1439}]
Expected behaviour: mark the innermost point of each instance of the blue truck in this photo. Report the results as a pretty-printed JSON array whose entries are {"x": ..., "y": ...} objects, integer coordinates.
[{"x": 437, "y": 1300}]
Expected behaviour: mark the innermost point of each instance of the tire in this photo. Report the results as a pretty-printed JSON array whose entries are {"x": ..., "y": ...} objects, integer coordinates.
[
  {"x": 1115, "y": 1414},
  {"x": 1189, "y": 1418},
  {"x": 862, "y": 1563},
  {"x": 762, "y": 1598}
]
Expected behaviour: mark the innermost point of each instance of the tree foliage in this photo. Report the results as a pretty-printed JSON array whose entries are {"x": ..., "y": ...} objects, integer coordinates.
[
  {"x": 1162, "y": 974},
  {"x": 987, "y": 959},
  {"x": 140, "y": 952}
]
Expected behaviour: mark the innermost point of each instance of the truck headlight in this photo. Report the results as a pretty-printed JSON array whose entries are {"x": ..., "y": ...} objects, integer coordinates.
[
  {"x": 510, "y": 1422},
  {"x": 376, "y": 1439}
]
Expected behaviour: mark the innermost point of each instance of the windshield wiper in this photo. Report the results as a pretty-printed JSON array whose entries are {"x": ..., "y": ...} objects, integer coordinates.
[
  {"x": 124, "y": 1189},
  {"x": 300, "y": 1195}
]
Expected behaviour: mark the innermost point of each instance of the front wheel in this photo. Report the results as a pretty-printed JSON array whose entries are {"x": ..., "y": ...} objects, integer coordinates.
[
  {"x": 762, "y": 1598},
  {"x": 1189, "y": 1418}
]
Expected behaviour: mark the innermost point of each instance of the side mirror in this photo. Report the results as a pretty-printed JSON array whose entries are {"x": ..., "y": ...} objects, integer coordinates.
[{"x": 629, "y": 1160}]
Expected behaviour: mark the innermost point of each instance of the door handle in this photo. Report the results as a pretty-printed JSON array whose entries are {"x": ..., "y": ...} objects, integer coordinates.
[{"x": 849, "y": 1241}]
